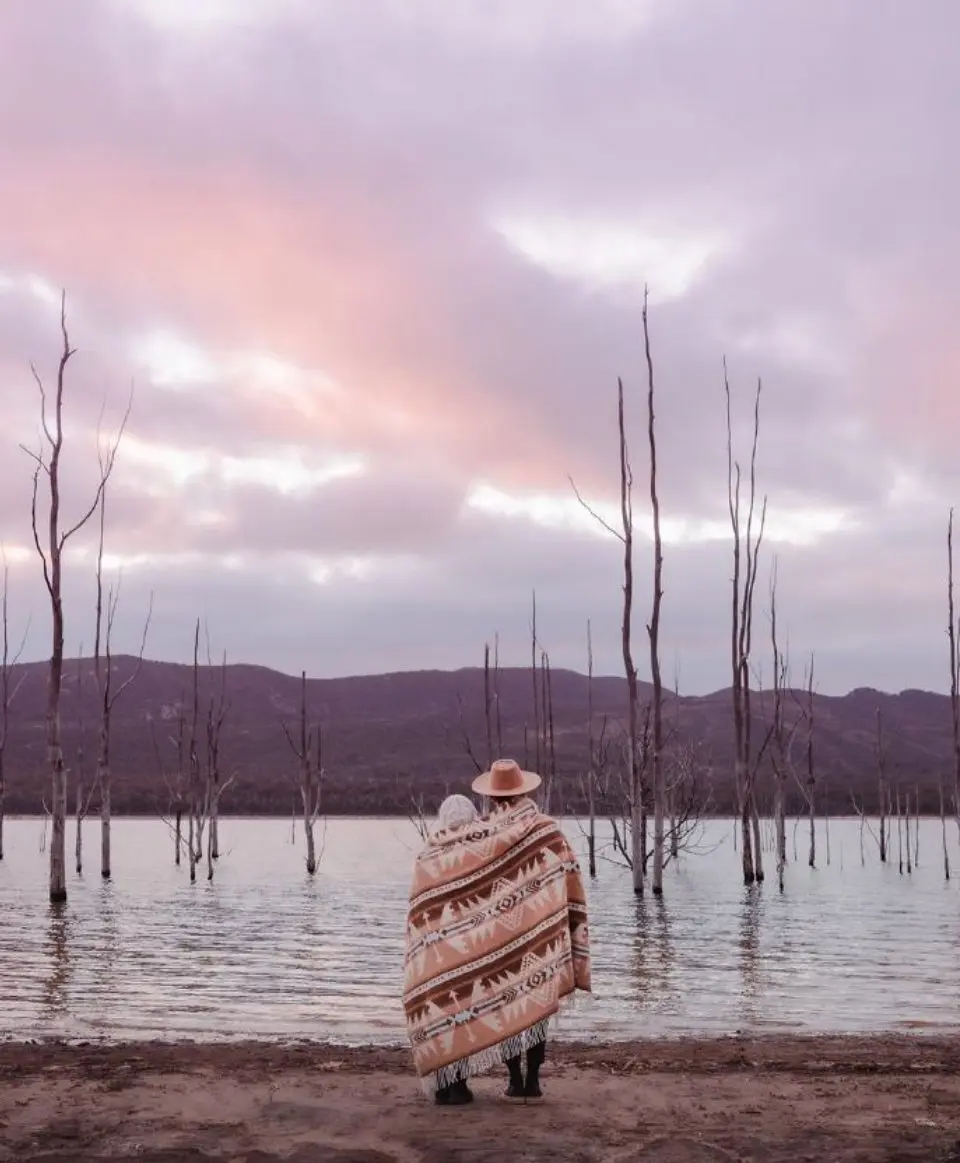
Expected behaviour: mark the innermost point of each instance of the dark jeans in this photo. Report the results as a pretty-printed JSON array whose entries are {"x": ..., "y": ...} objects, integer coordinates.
[{"x": 535, "y": 1059}]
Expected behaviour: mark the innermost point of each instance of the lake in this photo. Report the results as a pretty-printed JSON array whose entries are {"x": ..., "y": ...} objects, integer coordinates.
[{"x": 266, "y": 951}]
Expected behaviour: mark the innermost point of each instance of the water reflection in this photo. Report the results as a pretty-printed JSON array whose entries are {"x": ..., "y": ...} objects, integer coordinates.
[
  {"x": 751, "y": 910},
  {"x": 56, "y": 982},
  {"x": 652, "y": 952},
  {"x": 268, "y": 951}
]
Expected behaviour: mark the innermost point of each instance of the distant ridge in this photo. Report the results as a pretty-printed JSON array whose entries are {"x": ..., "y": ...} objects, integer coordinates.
[{"x": 387, "y": 736}]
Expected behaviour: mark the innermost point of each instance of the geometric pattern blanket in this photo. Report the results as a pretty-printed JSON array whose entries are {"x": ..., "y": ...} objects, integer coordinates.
[{"x": 496, "y": 938}]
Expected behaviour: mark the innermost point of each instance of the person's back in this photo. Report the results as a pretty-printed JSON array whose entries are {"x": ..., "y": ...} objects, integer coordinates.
[{"x": 506, "y": 890}]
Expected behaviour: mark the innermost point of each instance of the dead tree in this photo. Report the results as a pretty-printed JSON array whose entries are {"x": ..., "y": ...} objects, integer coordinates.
[
  {"x": 215, "y": 786},
  {"x": 8, "y": 689},
  {"x": 177, "y": 792},
  {"x": 653, "y": 628},
  {"x": 591, "y": 765},
  {"x": 882, "y": 788},
  {"x": 496, "y": 692},
  {"x": 746, "y": 551},
  {"x": 310, "y": 772},
  {"x": 548, "y": 742},
  {"x": 780, "y": 741},
  {"x": 954, "y": 673},
  {"x": 106, "y": 695},
  {"x": 943, "y": 832},
  {"x": 488, "y": 704},
  {"x": 50, "y": 549},
  {"x": 83, "y": 795},
  {"x": 635, "y": 780},
  {"x": 197, "y": 803},
  {"x": 899, "y": 834},
  {"x": 811, "y": 778},
  {"x": 537, "y": 718}
]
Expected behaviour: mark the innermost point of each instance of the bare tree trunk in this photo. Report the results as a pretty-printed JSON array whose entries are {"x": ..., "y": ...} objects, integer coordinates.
[
  {"x": 943, "y": 831},
  {"x": 592, "y": 764},
  {"x": 78, "y": 839},
  {"x": 954, "y": 674},
  {"x": 311, "y": 774},
  {"x": 636, "y": 857},
  {"x": 899, "y": 833},
  {"x": 47, "y": 462},
  {"x": 811, "y": 772},
  {"x": 550, "y": 740},
  {"x": 826, "y": 820},
  {"x": 537, "y": 729},
  {"x": 916, "y": 827},
  {"x": 195, "y": 832},
  {"x": 780, "y": 757},
  {"x": 745, "y": 555},
  {"x": 653, "y": 626},
  {"x": 882, "y": 785},
  {"x": 637, "y": 815},
  {"x": 213, "y": 789},
  {"x": 488, "y": 704},
  {"x": 496, "y": 692}
]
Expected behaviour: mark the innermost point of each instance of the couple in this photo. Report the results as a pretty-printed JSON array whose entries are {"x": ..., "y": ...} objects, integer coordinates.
[{"x": 496, "y": 938}]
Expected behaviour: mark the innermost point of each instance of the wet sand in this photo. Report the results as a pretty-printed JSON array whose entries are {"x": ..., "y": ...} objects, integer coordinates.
[{"x": 766, "y": 1100}]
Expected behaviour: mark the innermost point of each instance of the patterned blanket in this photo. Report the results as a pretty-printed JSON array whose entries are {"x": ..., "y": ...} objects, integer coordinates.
[{"x": 496, "y": 938}]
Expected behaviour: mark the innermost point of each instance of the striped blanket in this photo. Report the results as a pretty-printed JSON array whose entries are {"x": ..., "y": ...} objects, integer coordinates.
[{"x": 496, "y": 938}]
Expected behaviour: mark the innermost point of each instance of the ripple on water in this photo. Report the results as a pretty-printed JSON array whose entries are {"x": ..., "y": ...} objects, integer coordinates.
[{"x": 267, "y": 951}]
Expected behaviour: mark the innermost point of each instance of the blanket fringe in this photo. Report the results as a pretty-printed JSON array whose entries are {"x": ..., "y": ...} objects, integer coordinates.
[{"x": 485, "y": 1060}]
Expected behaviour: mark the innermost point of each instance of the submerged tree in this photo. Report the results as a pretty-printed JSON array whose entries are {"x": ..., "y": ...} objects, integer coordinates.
[
  {"x": 50, "y": 547},
  {"x": 634, "y": 752},
  {"x": 310, "y": 770},
  {"x": 653, "y": 629},
  {"x": 954, "y": 673},
  {"x": 107, "y": 696},
  {"x": 746, "y": 549}
]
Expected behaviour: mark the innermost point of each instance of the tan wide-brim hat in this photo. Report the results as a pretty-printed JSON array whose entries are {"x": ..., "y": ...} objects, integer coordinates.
[{"x": 506, "y": 778}]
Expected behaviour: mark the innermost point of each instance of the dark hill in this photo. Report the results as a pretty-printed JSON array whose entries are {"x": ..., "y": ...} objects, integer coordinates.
[{"x": 386, "y": 736}]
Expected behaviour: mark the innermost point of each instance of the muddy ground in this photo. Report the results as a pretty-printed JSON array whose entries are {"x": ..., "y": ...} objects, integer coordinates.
[{"x": 836, "y": 1100}]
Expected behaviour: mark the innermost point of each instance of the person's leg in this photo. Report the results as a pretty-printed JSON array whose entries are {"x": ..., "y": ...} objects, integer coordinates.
[
  {"x": 460, "y": 1093},
  {"x": 535, "y": 1059},
  {"x": 514, "y": 1091}
]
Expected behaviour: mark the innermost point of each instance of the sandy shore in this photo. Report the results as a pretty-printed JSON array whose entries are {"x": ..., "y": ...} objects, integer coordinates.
[{"x": 842, "y": 1100}]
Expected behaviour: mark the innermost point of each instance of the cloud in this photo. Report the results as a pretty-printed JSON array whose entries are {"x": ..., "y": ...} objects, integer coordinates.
[{"x": 364, "y": 263}]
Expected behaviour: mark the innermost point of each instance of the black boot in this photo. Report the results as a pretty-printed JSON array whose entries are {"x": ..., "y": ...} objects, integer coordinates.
[
  {"x": 535, "y": 1057},
  {"x": 442, "y": 1097},
  {"x": 515, "y": 1090},
  {"x": 460, "y": 1093}
]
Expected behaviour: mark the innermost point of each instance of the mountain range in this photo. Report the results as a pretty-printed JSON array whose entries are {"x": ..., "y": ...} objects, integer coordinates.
[{"x": 391, "y": 740}]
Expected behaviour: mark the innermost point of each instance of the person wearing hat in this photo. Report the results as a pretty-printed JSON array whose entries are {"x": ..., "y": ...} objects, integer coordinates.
[
  {"x": 496, "y": 940},
  {"x": 505, "y": 786}
]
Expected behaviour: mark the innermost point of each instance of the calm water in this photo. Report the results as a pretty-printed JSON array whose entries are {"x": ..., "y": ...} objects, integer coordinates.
[{"x": 267, "y": 951}]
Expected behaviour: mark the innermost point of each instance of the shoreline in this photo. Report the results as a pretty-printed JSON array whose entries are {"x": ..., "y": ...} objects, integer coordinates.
[
  {"x": 770, "y": 1098},
  {"x": 805, "y": 1053}
]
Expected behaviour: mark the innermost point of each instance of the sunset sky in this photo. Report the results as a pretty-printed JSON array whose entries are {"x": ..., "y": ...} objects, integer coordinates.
[{"x": 373, "y": 267}]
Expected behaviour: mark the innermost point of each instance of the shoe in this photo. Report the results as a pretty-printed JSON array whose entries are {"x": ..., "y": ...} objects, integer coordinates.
[
  {"x": 460, "y": 1094},
  {"x": 532, "y": 1092},
  {"x": 514, "y": 1093},
  {"x": 442, "y": 1097}
]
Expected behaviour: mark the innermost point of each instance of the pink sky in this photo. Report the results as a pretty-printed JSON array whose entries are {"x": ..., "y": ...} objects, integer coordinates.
[{"x": 373, "y": 271}]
